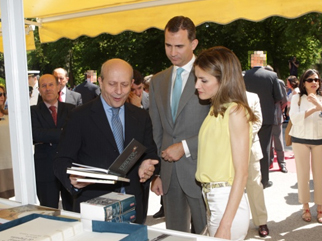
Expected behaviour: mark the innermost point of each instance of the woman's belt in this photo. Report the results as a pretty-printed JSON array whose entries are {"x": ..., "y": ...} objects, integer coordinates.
[{"x": 211, "y": 185}]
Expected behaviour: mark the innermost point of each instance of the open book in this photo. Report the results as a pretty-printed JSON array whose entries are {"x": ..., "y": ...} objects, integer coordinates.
[{"x": 117, "y": 171}]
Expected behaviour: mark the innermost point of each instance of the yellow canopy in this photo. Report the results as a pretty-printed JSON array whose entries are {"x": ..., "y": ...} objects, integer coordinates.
[
  {"x": 30, "y": 41},
  {"x": 73, "y": 18}
]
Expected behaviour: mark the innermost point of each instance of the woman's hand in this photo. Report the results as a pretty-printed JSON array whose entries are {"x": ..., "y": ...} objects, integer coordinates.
[{"x": 315, "y": 101}]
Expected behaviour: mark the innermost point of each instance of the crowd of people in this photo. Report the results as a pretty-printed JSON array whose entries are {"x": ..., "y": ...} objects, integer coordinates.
[{"x": 210, "y": 134}]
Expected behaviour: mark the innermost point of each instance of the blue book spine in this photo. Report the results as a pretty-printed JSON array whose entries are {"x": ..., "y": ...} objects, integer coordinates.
[
  {"x": 119, "y": 207},
  {"x": 127, "y": 217}
]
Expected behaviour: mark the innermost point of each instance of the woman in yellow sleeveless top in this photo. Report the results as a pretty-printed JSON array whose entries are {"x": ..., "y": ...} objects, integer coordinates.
[{"x": 224, "y": 143}]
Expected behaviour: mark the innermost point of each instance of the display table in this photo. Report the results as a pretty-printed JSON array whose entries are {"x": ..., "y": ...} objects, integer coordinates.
[{"x": 175, "y": 235}]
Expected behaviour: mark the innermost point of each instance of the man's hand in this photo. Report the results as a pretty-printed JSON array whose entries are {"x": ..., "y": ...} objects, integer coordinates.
[
  {"x": 173, "y": 153},
  {"x": 73, "y": 181},
  {"x": 134, "y": 99},
  {"x": 156, "y": 186},
  {"x": 146, "y": 169}
]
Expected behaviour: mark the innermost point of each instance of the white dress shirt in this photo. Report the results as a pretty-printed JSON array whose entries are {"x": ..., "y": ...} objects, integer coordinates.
[{"x": 184, "y": 76}]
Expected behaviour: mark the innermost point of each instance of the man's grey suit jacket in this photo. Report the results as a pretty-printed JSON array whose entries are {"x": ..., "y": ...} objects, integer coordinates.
[
  {"x": 73, "y": 97},
  {"x": 190, "y": 115}
]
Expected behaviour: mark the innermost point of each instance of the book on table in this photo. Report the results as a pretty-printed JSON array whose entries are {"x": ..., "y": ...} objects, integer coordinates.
[
  {"x": 24, "y": 210},
  {"x": 128, "y": 216},
  {"x": 108, "y": 207},
  {"x": 37, "y": 227},
  {"x": 43, "y": 229},
  {"x": 116, "y": 172}
]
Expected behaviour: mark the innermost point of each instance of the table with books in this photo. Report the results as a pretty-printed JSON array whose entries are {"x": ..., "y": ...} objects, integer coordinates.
[{"x": 34, "y": 222}]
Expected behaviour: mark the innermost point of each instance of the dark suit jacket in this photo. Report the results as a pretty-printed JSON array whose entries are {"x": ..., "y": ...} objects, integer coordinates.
[
  {"x": 46, "y": 137},
  {"x": 280, "y": 105},
  {"x": 88, "y": 139},
  {"x": 88, "y": 90},
  {"x": 265, "y": 84},
  {"x": 71, "y": 98}
]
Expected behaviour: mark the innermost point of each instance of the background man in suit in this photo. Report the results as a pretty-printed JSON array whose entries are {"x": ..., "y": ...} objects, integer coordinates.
[
  {"x": 87, "y": 89},
  {"x": 66, "y": 95},
  {"x": 265, "y": 84},
  {"x": 277, "y": 130},
  {"x": 88, "y": 138},
  {"x": 138, "y": 96},
  {"x": 33, "y": 76},
  {"x": 176, "y": 127},
  {"x": 46, "y": 134}
]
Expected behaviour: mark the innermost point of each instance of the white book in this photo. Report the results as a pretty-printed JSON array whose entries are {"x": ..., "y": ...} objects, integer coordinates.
[
  {"x": 107, "y": 206},
  {"x": 121, "y": 165},
  {"x": 42, "y": 229},
  {"x": 96, "y": 175},
  {"x": 90, "y": 180}
]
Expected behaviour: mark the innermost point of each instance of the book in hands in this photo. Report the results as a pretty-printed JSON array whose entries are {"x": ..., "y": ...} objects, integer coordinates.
[
  {"x": 95, "y": 176},
  {"x": 119, "y": 168},
  {"x": 108, "y": 207},
  {"x": 91, "y": 180}
]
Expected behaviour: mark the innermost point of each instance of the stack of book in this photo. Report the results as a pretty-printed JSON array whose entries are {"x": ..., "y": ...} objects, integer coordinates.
[
  {"x": 111, "y": 207},
  {"x": 116, "y": 172}
]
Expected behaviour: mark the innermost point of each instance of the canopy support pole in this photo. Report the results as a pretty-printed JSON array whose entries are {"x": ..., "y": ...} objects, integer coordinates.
[{"x": 15, "y": 58}]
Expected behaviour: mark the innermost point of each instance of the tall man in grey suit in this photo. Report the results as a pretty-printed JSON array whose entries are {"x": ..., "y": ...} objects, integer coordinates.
[
  {"x": 265, "y": 84},
  {"x": 176, "y": 118}
]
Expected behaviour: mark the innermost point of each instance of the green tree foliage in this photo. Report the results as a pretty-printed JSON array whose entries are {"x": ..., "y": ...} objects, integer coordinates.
[{"x": 280, "y": 37}]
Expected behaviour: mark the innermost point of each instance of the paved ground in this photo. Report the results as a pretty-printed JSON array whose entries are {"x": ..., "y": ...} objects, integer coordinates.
[{"x": 284, "y": 210}]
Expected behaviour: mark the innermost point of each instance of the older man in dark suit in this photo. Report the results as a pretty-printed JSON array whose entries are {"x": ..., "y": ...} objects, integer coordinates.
[
  {"x": 265, "y": 84},
  {"x": 48, "y": 119},
  {"x": 90, "y": 138}
]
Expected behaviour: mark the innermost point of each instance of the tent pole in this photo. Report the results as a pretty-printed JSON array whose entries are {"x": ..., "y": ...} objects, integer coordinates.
[{"x": 15, "y": 58}]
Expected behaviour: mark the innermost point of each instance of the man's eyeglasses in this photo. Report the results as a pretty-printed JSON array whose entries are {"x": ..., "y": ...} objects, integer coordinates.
[
  {"x": 2, "y": 94},
  {"x": 310, "y": 80}
]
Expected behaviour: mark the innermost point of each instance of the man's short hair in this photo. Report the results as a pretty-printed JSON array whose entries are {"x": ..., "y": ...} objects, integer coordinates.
[
  {"x": 65, "y": 71},
  {"x": 137, "y": 76},
  {"x": 184, "y": 23},
  {"x": 57, "y": 82}
]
